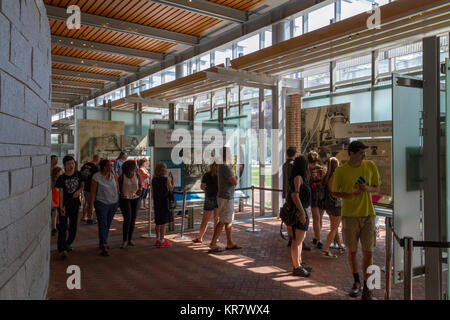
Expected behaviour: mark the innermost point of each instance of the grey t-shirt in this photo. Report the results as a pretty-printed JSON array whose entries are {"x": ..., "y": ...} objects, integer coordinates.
[
  {"x": 226, "y": 189},
  {"x": 107, "y": 189}
]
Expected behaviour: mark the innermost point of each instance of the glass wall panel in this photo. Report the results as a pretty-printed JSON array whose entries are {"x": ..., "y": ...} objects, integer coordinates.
[
  {"x": 201, "y": 116},
  {"x": 298, "y": 26},
  {"x": 408, "y": 61},
  {"x": 287, "y": 30},
  {"x": 248, "y": 45},
  {"x": 128, "y": 117},
  {"x": 205, "y": 61},
  {"x": 221, "y": 55},
  {"x": 194, "y": 65},
  {"x": 169, "y": 75},
  {"x": 320, "y": 17},
  {"x": 360, "y": 109},
  {"x": 383, "y": 105},
  {"x": 350, "y": 9},
  {"x": 267, "y": 38},
  {"x": 156, "y": 79}
]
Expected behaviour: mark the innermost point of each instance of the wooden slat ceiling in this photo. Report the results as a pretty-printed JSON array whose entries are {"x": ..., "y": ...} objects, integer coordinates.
[
  {"x": 56, "y": 78},
  {"x": 56, "y": 85},
  {"x": 83, "y": 54},
  {"x": 239, "y": 4},
  {"x": 140, "y": 12},
  {"x": 145, "y": 13},
  {"x": 86, "y": 69},
  {"x": 59, "y": 28}
]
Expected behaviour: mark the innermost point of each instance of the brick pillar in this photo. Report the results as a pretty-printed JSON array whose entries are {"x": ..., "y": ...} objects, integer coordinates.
[{"x": 293, "y": 122}]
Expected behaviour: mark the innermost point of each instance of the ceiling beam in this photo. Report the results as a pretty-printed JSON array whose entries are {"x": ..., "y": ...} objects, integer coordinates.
[
  {"x": 70, "y": 90},
  {"x": 79, "y": 62},
  {"x": 64, "y": 96},
  {"x": 79, "y": 84},
  {"x": 84, "y": 75},
  {"x": 105, "y": 48},
  {"x": 207, "y": 8},
  {"x": 61, "y": 100},
  {"x": 98, "y": 21}
]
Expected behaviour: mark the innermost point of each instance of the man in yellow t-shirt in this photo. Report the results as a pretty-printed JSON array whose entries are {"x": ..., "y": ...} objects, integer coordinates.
[{"x": 354, "y": 182}]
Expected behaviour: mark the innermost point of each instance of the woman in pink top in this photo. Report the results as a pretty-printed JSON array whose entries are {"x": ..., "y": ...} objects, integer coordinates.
[{"x": 145, "y": 180}]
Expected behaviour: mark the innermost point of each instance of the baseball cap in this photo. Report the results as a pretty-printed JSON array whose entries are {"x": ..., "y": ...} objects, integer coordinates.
[{"x": 357, "y": 145}]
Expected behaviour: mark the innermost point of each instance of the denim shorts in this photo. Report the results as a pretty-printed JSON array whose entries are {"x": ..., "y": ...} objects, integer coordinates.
[
  {"x": 144, "y": 193},
  {"x": 210, "y": 204},
  {"x": 303, "y": 226}
]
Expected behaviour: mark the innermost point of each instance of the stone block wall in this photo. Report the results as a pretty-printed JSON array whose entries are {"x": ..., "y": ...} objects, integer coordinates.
[{"x": 25, "y": 198}]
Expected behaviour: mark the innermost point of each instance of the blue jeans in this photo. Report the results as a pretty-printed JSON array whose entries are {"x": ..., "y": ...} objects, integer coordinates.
[{"x": 105, "y": 214}]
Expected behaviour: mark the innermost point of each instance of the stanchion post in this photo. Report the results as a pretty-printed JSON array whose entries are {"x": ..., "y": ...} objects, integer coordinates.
[
  {"x": 253, "y": 229},
  {"x": 388, "y": 258},
  {"x": 407, "y": 268},
  {"x": 149, "y": 235},
  {"x": 253, "y": 200},
  {"x": 181, "y": 236}
]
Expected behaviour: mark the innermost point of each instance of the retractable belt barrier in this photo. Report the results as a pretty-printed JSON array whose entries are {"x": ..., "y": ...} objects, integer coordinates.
[
  {"x": 252, "y": 188},
  {"x": 408, "y": 244}
]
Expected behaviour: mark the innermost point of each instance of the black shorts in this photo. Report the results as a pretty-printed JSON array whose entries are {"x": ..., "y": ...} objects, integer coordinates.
[
  {"x": 335, "y": 212},
  {"x": 301, "y": 226},
  {"x": 210, "y": 204}
]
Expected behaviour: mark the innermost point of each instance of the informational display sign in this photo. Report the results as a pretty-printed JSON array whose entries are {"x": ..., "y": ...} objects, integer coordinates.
[
  {"x": 318, "y": 133},
  {"x": 380, "y": 152},
  {"x": 163, "y": 138},
  {"x": 98, "y": 137},
  {"x": 135, "y": 145},
  {"x": 177, "y": 172},
  {"x": 363, "y": 129}
]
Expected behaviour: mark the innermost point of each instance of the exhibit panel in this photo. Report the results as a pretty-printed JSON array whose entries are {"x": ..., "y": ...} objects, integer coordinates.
[
  {"x": 130, "y": 137},
  {"x": 407, "y": 168}
]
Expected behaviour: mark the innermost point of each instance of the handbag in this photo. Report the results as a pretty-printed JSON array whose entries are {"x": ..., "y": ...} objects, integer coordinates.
[{"x": 171, "y": 202}]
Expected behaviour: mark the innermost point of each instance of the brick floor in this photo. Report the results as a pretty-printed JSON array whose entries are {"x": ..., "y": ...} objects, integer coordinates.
[{"x": 261, "y": 270}]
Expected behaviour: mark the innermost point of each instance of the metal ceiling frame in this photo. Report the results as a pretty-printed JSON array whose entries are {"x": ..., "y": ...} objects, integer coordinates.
[
  {"x": 80, "y": 62},
  {"x": 68, "y": 42},
  {"x": 83, "y": 92},
  {"x": 102, "y": 22},
  {"x": 207, "y": 8},
  {"x": 84, "y": 75},
  {"x": 79, "y": 84}
]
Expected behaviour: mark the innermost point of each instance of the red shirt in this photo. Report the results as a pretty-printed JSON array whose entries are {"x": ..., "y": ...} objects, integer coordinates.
[{"x": 55, "y": 198}]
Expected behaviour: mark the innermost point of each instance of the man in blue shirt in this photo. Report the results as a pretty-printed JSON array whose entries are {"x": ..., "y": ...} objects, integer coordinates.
[{"x": 119, "y": 162}]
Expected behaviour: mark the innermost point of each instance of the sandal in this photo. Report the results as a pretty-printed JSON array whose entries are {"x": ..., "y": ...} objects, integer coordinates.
[
  {"x": 123, "y": 246},
  {"x": 235, "y": 247},
  {"x": 215, "y": 250},
  {"x": 131, "y": 243},
  {"x": 328, "y": 254},
  {"x": 196, "y": 241},
  {"x": 341, "y": 249}
]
